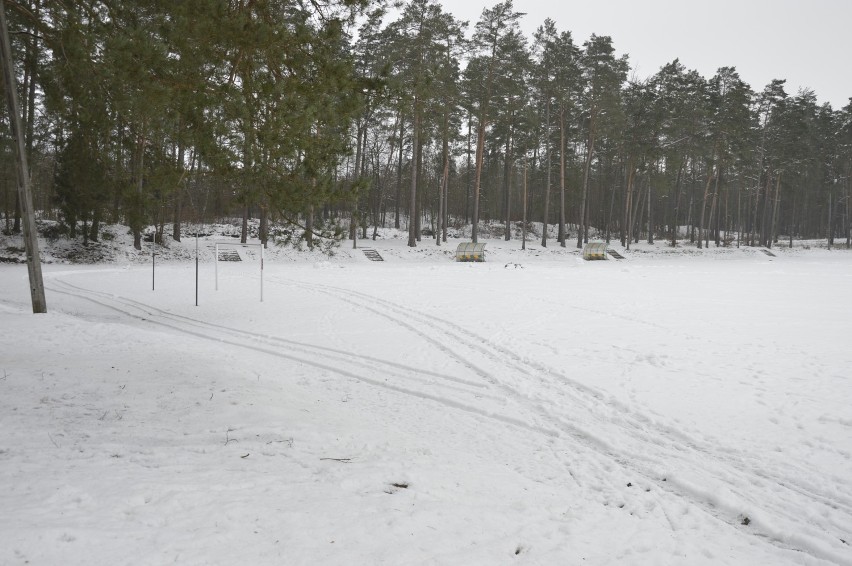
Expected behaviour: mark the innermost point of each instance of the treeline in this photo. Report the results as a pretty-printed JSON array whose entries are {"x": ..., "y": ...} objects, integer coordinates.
[{"x": 321, "y": 114}]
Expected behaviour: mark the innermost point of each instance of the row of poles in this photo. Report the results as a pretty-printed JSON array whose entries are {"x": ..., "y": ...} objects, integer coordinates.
[{"x": 216, "y": 258}]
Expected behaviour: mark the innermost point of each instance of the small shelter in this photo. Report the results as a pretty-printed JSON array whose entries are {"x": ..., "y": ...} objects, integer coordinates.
[
  {"x": 594, "y": 250},
  {"x": 469, "y": 251}
]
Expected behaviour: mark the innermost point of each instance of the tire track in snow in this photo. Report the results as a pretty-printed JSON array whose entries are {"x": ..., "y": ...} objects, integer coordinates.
[
  {"x": 532, "y": 369},
  {"x": 225, "y": 335},
  {"x": 304, "y": 347},
  {"x": 678, "y": 489},
  {"x": 674, "y": 444}
]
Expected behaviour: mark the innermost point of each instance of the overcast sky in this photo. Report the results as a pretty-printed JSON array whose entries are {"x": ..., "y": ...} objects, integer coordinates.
[{"x": 807, "y": 42}]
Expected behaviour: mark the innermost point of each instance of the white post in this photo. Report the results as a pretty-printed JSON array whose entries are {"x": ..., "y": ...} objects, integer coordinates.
[{"x": 216, "y": 269}]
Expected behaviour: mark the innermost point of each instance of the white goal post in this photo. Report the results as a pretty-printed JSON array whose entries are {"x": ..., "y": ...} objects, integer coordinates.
[{"x": 227, "y": 244}]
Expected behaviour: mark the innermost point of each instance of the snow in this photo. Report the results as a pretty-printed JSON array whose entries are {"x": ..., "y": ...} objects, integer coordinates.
[{"x": 675, "y": 407}]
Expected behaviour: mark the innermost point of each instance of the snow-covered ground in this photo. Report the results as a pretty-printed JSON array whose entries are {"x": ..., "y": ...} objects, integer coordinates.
[{"x": 675, "y": 407}]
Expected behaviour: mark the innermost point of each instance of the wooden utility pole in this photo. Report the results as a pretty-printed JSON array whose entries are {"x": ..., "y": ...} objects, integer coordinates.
[{"x": 28, "y": 216}]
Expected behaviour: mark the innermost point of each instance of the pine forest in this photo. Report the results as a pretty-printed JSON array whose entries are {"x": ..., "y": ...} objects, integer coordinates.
[{"x": 328, "y": 119}]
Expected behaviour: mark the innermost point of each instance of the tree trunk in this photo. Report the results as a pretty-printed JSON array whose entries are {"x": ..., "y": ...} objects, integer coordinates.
[
  {"x": 591, "y": 148},
  {"x": 767, "y": 203},
  {"x": 244, "y": 227},
  {"x": 828, "y": 233},
  {"x": 755, "y": 210},
  {"x": 362, "y": 217},
  {"x": 16, "y": 224},
  {"x": 446, "y": 202},
  {"x": 6, "y": 208},
  {"x": 690, "y": 217},
  {"x": 792, "y": 219},
  {"x": 263, "y": 231},
  {"x": 547, "y": 177},
  {"x": 507, "y": 184},
  {"x": 524, "y": 226},
  {"x": 480, "y": 155},
  {"x": 469, "y": 178},
  {"x": 775, "y": 210},
  {"x": 561, "y": 232},
  {"x": 159, "y": 230},
  {"x": 94, "y": 229},
  {"x": 609, "y": 214},
  {"x": 445, "y": 177},
  {"x": 412, "y": 202},
  {"x": 138, "y": 212},
  {"x": 377, "y": 205},
  {"x": 356, "y": 177},
  {"x": 713, "y": 206},
  {"x": 678, "y": 183},
  {"x": 650, "y": 206},
  {"x": 627, "y": 220},
  {"x": 418, "y": 212},
  {"x": 176, "y": 221},
  {"x": 309, "y": 226},
  {"x": 635, "y": 217},
  {"x": 399, "y": 171},
  {"x": 710, "y": 176},
  {"x": 848, "y": 222},
  {"x": 739, "y": 214}
]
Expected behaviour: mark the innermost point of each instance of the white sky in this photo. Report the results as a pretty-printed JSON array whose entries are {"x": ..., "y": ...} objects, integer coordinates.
[{"x": 806, "y": 42}]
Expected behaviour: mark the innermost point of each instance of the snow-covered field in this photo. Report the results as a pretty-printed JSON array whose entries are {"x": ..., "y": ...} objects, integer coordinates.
[{"x": 669, "y": 408}]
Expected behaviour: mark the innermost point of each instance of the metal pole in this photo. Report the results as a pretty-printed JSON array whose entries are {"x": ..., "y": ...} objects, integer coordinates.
[
  {"x": 27, "y": 213},
  {"x": 261, "y": 273},
  {"x": 216, "y": 264},
  {"x": 153, "y": 269},
  {"x": 196, "y": 266}
]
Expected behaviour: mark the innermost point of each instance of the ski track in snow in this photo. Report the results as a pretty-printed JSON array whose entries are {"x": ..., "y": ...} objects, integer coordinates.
[{"x": 566, "y": 416}]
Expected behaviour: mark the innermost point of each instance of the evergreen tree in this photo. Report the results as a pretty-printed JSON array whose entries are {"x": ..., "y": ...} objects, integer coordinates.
[
  {"x": 604, "y": 75},
  {"x": 492, "y": 37}
]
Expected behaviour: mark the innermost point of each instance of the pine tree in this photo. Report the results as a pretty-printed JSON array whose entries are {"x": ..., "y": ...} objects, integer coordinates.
[
  {"x": 490, "y": 35},
  {"x": 604, "y": 75}
]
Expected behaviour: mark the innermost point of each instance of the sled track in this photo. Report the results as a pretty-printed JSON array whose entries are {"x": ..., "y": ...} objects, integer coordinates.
[{"x": 577, "y": 395}]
